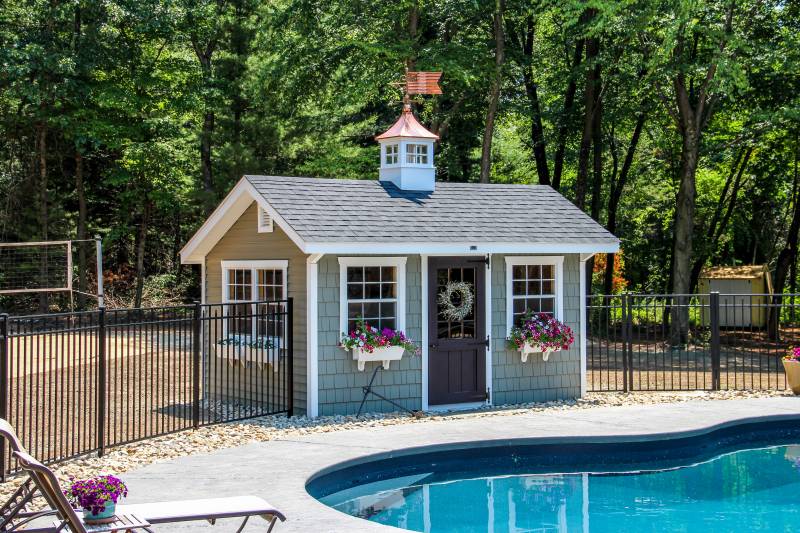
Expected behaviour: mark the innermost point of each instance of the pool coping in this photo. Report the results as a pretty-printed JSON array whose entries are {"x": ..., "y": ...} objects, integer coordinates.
[{"x": 288, "y": 464}]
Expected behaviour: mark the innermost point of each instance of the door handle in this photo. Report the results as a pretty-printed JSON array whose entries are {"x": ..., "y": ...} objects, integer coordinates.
[{"x": 433, "y": 345}]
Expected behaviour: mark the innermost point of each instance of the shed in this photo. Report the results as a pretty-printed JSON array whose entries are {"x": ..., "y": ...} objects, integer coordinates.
[
  {"x": 384, "y": 250},
  {"x": 744, "y": 293}
]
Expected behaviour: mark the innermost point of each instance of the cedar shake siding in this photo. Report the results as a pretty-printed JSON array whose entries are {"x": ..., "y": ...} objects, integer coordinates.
[
  {"x": 535, "y": 380},
  {"x": 340, "y": 381},
  {"x": 244, "y": 242},
  {"x": 513, "y": 381}
]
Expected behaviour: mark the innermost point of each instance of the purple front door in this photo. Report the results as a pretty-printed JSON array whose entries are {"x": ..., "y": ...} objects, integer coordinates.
[{"x": 457, "y": 346}]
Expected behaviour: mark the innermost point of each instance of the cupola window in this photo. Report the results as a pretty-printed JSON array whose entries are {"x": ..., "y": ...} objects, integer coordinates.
[
  {"x": 392, "y": 153},
  {"x": 416, "y": 154}
]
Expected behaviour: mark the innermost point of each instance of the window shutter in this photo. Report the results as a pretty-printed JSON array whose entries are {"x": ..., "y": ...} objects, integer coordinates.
[{"x": 264, "y": 221}]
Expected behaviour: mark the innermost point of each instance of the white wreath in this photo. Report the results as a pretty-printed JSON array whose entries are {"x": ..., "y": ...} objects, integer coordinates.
[{"x": 450, "y": 311}]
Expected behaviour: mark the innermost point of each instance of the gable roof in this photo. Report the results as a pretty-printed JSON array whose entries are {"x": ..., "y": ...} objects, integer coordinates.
[{"x": 368, "y": 216}]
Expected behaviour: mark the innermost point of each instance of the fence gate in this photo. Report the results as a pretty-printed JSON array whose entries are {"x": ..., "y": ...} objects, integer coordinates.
[
  {"x": 77, "y": 383},
  {"x": 668, "y": 342}
]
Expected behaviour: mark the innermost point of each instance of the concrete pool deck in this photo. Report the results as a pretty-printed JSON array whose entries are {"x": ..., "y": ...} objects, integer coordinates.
[{"x": 277, "y": 470}]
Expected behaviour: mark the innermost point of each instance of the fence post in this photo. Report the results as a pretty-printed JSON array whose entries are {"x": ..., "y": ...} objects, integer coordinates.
[
  {"x": 290, "y": 356},
  {"x": 625, "y": 331},
  {"x": 196, "y": 325},
  {"x": 715, "y": 342},
  {"x": 101, "y": 381},
  {"x": 3, "y": 387}
]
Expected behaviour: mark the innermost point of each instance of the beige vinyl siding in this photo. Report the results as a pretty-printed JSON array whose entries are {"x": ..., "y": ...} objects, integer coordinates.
[{"x": 244, "y": 242}]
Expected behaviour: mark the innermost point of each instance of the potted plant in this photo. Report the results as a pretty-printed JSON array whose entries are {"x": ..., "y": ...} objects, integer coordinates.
[
  {"x": 97, "y": 497},
  {"x": 540, "y": 333},
  {"x": 369, "y": 344},
  {"x": 791, "y": 364}
]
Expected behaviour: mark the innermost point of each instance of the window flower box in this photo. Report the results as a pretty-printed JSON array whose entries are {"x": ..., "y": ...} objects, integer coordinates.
[
  {"x": 385, "y": 355},
  {"x": 526, "y": 350},
  {"x": 540, "y": 333},
  {"x": 261, "y": 350},
  {"x": 368, "y": 344}
]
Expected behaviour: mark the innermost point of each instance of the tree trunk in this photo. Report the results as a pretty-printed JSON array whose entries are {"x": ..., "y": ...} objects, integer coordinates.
[
  {"x": 494, "y": 96},
  {"x": 683, "y": 230},
  {"x": 81, "y": 232},
  {"x": 206, "y": 156},
  {"x": 615, "y": 195},
  {"x": 44, "y": 200},
  {"x": 564, "y": 120},
  {"x": 140, "y": 249},
  {"x": 531, "y": 89},
  {"x": 590, "y": 97},
  {"x": 719, "y": 221},
  {"x": 784, "y": 263}
]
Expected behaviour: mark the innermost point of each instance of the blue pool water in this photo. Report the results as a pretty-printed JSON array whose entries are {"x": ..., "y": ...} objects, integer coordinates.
[{"x": 653, "y": 487}]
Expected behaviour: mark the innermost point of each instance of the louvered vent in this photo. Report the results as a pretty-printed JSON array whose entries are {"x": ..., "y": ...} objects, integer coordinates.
[{"x": 264, "y": 221}]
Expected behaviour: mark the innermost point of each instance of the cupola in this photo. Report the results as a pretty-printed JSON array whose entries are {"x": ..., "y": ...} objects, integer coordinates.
[{"x": 407, "y": 154}]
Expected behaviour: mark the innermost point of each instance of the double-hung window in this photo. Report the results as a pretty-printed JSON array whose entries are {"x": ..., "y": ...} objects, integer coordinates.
[
  {"x": 372, "y": 289},
  {"x": 533, "y": 284},
  {"x": 416, "y": 154},
  {"x": 254, "y": 293}
]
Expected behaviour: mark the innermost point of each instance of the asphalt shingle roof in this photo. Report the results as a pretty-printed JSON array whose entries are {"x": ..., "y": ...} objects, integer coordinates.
[{"x": 334, "y": 210}]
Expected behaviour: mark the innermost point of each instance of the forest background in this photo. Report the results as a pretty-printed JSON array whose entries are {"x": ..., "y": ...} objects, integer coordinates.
[{"x": 673, "y": 123}]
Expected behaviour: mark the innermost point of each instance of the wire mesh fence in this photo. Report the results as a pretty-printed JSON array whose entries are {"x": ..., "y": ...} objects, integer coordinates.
[
  {"x": 668, "y": 342},
  {"x": 76, "y": 383}
]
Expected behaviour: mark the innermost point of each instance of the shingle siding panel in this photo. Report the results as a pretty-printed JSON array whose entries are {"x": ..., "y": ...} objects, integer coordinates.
[
  {"x": 535, "y": 380},
  {"x": 339, "y": 378}
]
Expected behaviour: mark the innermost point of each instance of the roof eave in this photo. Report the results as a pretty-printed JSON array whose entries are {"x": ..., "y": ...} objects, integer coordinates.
[{"x": 456, "y": 248}]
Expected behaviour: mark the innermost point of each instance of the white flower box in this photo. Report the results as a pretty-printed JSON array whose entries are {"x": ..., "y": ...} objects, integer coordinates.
[
  {"x": 384, "y": 354},
  {"x": 528, "y": 349}
]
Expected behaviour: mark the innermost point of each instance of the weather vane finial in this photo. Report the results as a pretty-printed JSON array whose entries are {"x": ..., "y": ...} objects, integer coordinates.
[{"x": 415, "y": 82}]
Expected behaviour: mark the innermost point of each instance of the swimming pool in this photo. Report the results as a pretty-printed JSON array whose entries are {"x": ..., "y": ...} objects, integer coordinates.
[{"x": 741, "y": 477}]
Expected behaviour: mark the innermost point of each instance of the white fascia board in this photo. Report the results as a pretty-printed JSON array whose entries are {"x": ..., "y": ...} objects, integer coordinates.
[
  {"x": 460, "y": 248},
  {"x": 224, "y": 216}
]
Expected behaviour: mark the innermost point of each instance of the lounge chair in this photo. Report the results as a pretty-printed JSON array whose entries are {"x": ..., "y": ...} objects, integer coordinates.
[{"x": 14, "y": 515}]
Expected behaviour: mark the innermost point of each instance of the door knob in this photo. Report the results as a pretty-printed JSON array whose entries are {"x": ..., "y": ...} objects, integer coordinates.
[{"x": 433, "y": 345}]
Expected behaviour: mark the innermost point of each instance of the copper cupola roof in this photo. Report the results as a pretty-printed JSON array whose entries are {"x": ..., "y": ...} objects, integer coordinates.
[{"x": 407, "y": 126}]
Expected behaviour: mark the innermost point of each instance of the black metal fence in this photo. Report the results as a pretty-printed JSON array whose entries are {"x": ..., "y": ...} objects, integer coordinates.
[
  {"x": 727, "y": 341},
  {"x": 77, "y": 383}
]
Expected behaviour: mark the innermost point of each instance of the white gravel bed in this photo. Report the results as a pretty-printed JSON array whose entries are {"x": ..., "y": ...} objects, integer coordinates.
[{"x": 207, "y": 439}]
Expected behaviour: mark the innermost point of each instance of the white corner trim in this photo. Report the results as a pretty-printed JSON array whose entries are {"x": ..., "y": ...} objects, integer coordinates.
[
  {"x": 423, "y": 265},
  {"x": 488, "y": 326},
  {"x": 583, "y": 318},
  {"x": 556, "y": 260},
  {"x": 312, "y": 345},
  {"x": 203, "y": 281},
  {"x": 367, "y": 261}
]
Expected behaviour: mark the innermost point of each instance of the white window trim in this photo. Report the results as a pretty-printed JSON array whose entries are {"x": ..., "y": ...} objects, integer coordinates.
[
  {"x": 557, "y": 261},
  {"x": 398, "y": 262},
  {"x": 252, "y": 265},
  {"x": 385, "y": 150}
]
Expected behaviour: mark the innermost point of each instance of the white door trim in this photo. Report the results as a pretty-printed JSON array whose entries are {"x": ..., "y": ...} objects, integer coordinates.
[{"x": 425, "y": 334}]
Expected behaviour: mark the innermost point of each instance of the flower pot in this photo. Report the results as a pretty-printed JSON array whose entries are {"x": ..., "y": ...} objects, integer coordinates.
[
  {"x": 528, "y": 349},
  {"x": 792, "y": 369},
  {"x": 106, "y": 515},
  {"x": 384, "y": 354}
]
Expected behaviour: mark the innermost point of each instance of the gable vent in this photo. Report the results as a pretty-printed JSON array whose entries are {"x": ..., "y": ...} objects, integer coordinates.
[{"x": 264, "y": 221}]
